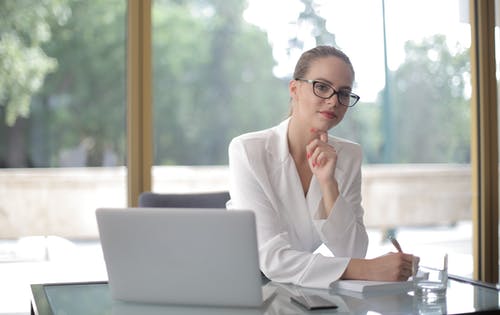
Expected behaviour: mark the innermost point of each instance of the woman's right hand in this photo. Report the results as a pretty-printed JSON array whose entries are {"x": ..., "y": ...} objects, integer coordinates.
[
  {"x": 389, "y": 267},
  {"x": 392, "y": 267}
]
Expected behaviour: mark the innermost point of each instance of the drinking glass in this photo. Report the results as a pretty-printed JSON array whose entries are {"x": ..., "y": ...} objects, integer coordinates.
[{"x": 430, "y": 277}]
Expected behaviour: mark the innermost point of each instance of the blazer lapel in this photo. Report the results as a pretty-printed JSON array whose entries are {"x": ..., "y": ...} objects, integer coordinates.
[{"x": 286, "y": 180}]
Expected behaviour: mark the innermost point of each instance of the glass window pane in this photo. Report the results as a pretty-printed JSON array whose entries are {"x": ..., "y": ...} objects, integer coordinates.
[
  {"x": 418, "y": 177},
  {"x": 229, "y": 75},
  {"x": 213, "y": 80},
  {"x": 62, "y": 139},
  {"x": 62, "y": 119}
]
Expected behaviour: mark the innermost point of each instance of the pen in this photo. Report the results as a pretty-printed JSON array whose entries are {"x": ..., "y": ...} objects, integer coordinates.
[{"x": 396, "y": 244}]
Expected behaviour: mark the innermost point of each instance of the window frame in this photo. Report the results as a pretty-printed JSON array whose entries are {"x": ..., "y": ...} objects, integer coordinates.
[
  {"x": 139, "y": 100},
  {"x": 484, "y": 141}
]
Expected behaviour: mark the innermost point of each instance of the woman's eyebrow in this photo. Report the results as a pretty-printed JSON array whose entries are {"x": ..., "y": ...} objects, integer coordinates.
[
  {"x": 332, "y": 85},
  {"x": 324, "y": 80}
]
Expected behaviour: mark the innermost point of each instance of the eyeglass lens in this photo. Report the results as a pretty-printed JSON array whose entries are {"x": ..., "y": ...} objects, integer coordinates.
[{"x": 325, "y": 91}]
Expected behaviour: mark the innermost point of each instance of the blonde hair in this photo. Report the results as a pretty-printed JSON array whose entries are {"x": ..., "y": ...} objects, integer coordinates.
[{"x": 305, "y": 60}]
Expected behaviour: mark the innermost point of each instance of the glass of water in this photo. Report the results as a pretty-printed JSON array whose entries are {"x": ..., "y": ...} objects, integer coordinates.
[{"x": 430, "y": 277}]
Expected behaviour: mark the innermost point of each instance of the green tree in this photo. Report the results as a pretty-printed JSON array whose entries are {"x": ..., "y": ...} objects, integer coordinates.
[
  {"x": 84, "y": 100},
  {"x": 431, "y": 112},
  {"x": 212, "y": 83},
  {"x": 212, "y": 75},
  {"x": 24, "y": 27}
]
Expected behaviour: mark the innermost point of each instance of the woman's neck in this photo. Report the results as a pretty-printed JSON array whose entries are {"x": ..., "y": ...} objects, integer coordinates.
[{"x": 298, "y": 138}]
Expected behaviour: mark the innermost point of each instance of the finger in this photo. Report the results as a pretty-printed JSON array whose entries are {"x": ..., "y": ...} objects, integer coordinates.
[
  {"x": 405, "y": 273},
  {"x": 314, "y": 156},
  {"x": 408, "y": 258},
  {"x": 321, "y": 159},
  {"x": 318, "y": 155},
  {"x": 407, "y": 269},
  {"x": 311, "y": 147},
  {"x": 321, "y": 135},
  {"x": 404, "y": 277},
  {"x": 324, "y": 137}
]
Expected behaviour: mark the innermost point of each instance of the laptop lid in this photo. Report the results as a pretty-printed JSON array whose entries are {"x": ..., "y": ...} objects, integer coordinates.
[{"x": 181, "y": 256}]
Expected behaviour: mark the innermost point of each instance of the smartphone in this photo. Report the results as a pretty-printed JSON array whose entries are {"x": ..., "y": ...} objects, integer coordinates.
[{"x": 313, "y": 302}]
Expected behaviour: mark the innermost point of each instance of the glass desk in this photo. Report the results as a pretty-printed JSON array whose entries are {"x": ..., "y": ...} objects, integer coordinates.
[{"x": 93, "y": 298}]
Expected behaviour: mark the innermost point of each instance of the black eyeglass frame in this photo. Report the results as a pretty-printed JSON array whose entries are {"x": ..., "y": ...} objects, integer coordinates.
[{"x": 352, "y": 96}]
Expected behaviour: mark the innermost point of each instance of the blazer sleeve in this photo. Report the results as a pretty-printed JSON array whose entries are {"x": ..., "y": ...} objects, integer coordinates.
[
  {"x": 279, "y": 261},
  {"x": 343, "y": 231}
]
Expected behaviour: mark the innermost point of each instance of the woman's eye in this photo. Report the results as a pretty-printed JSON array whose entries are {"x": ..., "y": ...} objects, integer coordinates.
[
  {"x": 322, "y": 87},
  {"x": 345, "y": 94}
]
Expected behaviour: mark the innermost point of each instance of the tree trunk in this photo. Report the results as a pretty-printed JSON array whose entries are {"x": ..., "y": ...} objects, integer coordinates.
[{"x": 16, "y": 144}]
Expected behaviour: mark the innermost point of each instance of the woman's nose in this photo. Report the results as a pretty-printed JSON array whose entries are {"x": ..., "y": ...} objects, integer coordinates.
[{"x": 333, "y": 100}]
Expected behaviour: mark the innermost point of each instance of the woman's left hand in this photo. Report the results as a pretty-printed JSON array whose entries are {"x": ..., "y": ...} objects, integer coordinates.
[{"x": 322, "y": 158}]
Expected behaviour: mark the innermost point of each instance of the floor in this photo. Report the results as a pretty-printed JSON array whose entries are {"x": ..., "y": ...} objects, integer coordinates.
[{"x": 54, "y": 259}]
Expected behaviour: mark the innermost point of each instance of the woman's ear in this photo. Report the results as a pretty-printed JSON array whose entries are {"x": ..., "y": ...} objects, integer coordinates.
[{"x": 292, "y": 88}]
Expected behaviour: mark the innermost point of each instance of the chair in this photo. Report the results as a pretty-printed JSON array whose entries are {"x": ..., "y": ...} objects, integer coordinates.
[{"x": 189, "y": 200}]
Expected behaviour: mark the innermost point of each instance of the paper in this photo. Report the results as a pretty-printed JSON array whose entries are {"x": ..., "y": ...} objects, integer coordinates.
[{"x": 372, "y": 286}]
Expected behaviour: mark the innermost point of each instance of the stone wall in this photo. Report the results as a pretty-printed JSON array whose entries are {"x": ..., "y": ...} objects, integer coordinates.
[
  {"x": 62, "y": 201},
  {"x": 416, "y": 195}
]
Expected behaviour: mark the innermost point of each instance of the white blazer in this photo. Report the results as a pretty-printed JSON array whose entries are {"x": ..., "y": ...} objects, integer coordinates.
[{"x": 264, "y": 178}]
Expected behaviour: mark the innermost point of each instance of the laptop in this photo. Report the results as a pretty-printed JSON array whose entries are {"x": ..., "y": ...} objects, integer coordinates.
[{"x": 181, "y": 256}]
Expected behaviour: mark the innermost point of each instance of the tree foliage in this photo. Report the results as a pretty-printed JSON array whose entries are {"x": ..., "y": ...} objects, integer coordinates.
[
  {"x": 24, "y": 27},
  {"x": 212, "y": 83},
  {"x": 212, "y": 80},
  {"x": 85, "y": 97},
  {"x": 431, "y": 110},
  {"x": 63, "y": 63}
]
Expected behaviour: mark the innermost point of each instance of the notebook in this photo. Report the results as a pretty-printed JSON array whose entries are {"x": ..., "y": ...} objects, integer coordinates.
[
  {"x": 365, "y": 286},
  {"x": 181, "y": 256}
]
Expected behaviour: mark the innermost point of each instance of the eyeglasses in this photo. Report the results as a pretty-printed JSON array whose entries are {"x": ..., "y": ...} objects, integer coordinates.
[{"x": 325, "y": 91}]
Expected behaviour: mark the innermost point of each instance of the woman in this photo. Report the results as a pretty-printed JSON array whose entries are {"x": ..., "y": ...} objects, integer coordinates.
[{"x": 305, "y": 186}]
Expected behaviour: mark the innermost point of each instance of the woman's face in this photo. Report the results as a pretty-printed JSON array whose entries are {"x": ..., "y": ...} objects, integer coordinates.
[{"x": 313, "y": 111}]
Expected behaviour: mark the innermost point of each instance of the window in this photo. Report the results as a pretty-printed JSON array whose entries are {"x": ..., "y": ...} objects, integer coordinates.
[
  {"x": 62, "y": 116},
  {"x": 210, "y": 84},
  {"x": 229, "y": 74}
]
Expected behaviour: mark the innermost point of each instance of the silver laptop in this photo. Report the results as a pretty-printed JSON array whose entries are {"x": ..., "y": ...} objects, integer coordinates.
[{"x": 181, "y": 256}]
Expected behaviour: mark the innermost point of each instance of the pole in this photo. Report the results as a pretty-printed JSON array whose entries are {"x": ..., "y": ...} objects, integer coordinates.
[{"x": 387, "y": 153}]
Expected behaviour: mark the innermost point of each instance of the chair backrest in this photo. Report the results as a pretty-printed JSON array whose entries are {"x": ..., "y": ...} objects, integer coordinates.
[{"x": 190, "y": 200}]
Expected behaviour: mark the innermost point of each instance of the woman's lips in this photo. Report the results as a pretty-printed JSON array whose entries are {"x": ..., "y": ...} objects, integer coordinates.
[{"x": 328, "y": 115}]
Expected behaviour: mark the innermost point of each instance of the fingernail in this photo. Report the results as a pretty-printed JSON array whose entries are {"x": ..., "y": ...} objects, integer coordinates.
[{"x": 308, "y": 155}]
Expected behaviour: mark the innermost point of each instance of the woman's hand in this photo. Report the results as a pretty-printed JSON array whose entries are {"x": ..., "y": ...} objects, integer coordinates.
[
  {"x": 389, "y": 267},
  {"x": 322, "y": 157},
  {"x": 393, "y": 267}
]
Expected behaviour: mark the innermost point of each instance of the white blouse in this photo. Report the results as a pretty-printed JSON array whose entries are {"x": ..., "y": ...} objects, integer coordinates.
[{"x": 263, "y": 178}]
